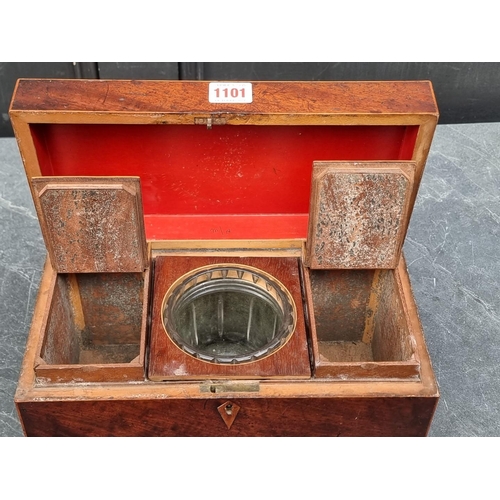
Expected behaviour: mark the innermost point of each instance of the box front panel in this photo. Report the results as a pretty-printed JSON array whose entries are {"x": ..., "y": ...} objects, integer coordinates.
[{"x": 370, "y": 416}]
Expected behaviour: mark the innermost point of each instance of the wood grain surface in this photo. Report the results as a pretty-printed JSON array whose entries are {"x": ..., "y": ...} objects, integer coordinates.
[
  {"x": 379, "y": 416},
  {"x": 277, "y": 408},
  {"x": 269, "y": 97},
  {"x": 200, "y": 176},
  {"x": 359, "y": 328},
  {"x": 94, "y": 329},
  {"x": 169, "y": 362}
]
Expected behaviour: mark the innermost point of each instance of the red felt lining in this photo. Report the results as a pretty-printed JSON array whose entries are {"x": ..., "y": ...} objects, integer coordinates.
[{"x": 193, "y": 178}]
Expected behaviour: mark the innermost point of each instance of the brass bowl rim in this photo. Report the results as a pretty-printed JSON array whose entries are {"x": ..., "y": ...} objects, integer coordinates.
[{"x": 236, "y": 266}]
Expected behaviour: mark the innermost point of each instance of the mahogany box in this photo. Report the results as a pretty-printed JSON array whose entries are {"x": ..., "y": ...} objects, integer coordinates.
[{"x": 225, "y": 258}]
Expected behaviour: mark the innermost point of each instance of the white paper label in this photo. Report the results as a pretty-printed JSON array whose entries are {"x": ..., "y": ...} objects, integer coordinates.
[{"x": 235, "y": 92}]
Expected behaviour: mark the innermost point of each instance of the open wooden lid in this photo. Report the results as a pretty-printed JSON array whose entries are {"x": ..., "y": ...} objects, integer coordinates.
[
  {"x": 221, "y": 171},
  {"x": 92, "y": 224}
]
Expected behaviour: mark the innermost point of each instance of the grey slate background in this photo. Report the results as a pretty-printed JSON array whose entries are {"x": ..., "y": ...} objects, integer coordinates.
[
  {"x": 451, "y": 251},
  {"x": 451, "y": 246},
  {"x": 466, "y": 92},
  {"x": 453, "y": 259}
]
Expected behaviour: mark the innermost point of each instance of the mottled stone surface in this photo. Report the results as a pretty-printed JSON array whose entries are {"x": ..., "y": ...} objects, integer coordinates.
[
  {"x": 451, "y": 248},
  {"x": 93, "y": 225},
  {"x": 358, "y": 215}
]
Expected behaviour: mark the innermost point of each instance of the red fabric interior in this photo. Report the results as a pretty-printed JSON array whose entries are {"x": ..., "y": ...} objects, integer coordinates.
[{"x": 192, "y": 177}]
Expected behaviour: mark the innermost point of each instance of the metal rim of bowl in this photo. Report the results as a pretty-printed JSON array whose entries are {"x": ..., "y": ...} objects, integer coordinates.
[{"x": 227, "y": 277}]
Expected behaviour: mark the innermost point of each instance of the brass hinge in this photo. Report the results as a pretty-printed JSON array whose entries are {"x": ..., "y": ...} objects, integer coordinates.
[{"x": 209, "y": 121}]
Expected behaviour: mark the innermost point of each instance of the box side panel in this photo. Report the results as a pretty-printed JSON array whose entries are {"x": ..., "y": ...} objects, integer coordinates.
[
  {"x": 391, "y": 336},
  {"x": 60, "y": 345},
  {"x": 112, "y": 306},
  {"x": 340, "y": 299}
]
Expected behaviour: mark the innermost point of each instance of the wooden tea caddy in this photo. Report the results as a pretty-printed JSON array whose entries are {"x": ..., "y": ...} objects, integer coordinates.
[{"x": 138, "y": 182}]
